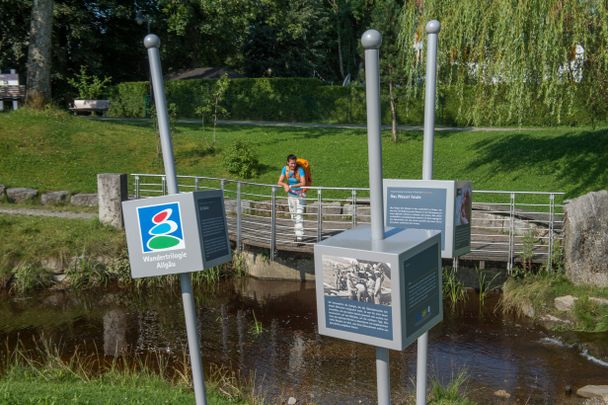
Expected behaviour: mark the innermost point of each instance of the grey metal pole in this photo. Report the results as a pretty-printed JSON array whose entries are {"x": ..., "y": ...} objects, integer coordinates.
[
  {"x": 152, "y": 42},
  {"x": 432, "y": 29},
  {"x": 371, "y": 41}
]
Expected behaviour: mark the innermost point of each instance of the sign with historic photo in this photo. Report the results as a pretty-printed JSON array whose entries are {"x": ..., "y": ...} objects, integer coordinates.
[
  {"x": 385, "y": 293},
  {"x": 178, "y": 233},
  {"x": 442, "y": 205}
]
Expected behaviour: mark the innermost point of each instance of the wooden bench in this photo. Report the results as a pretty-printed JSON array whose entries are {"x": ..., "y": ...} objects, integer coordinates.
[
  {"x": 12, "y": 93},
  {"x": 90, "y": 106}
]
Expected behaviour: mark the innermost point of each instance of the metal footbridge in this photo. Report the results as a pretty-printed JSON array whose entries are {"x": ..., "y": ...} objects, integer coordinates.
[{"x": 507, "y": 226}]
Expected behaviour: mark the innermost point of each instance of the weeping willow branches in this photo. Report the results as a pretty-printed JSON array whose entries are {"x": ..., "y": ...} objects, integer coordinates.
[{"x": 508, "y": 59}]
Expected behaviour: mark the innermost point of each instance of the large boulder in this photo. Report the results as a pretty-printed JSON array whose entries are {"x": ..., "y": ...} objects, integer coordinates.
[
  {"x": 586, "y": 239},
  {"x": 84, "y": 200},
  {"x": 54, "y": 198},
  {"x": 20, "y": 194},
  {"x": 593, "y": 391}
]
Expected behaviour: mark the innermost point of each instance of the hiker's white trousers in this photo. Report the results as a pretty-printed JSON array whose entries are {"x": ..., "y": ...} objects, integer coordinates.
[{"x": 296, "y": 210}]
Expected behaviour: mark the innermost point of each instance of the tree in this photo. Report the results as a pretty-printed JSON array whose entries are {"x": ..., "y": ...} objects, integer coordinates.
[
  {"x": 14, "y": 28},
  {"x": 206, "y": 32},
  {"x": 350, "y": 19},
  {"x": 38, "y": 84},
  {"x": 385, "y": 20},
  {"x": 212, "y": 103},
  {"x": 515, "y": 58},
  {"x": 289, "y": 38}
]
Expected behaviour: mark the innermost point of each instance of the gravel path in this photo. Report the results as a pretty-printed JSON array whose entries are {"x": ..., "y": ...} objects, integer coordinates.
[
  {"x": 323, "y": 125},
  {"x": 47, "y": 213}
]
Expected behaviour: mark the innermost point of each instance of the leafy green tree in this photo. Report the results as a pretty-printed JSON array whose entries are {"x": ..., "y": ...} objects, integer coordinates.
[
  {"x": 349, "y": 19},
  {"x": 288, "y": 38},
  {"x": 385, "y": 20},
  {"x": 14, "y": 30},
  {"x": 206, "y": 32},
  {"x": 514, "y": 57}
]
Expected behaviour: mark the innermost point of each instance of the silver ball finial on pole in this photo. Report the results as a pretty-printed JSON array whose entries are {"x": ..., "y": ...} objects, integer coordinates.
[
  {"x": 433, "y": 27},
  {"x": 151, "y": 41},
  {"x": 371, "y": 39}
]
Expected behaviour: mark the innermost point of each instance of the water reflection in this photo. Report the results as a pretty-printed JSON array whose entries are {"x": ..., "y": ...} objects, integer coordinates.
[
  {"x": 115, "y": 332},
  {"x": 289, "y": 358}
]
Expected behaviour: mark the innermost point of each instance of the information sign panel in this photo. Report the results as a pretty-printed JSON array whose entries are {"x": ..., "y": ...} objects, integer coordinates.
[
  {"x": 384, "y": 293},
  {"x": 178, "y": 233},
  {"x": 443, "y": 205}
]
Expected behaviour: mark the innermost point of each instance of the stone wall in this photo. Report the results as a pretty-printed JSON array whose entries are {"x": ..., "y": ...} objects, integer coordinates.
[{"x": 19, "y": 195}]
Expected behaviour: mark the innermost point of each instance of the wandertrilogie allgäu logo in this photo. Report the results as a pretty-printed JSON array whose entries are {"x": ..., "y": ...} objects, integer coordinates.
[{"x": 160, "y": 227}]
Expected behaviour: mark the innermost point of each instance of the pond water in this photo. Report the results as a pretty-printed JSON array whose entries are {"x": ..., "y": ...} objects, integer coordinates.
[{"x": 288, "y": 358}]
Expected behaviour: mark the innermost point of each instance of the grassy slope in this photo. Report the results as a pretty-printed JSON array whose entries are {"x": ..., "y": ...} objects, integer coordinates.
[
  {"x": 52, "y": 151},
  {"x": 31, "y": 237}
]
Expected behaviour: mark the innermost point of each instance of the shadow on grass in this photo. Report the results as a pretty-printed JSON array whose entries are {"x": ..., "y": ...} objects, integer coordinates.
[
  {"x": 264, "y": 168},
  {"x": 578, "y": 160},
  {"x": 197, "y": 152}
]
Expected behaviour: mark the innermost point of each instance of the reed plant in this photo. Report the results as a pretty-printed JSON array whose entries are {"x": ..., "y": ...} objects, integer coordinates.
[
  {"x": 256, "y": 328},
  {"x": 485, "y": 284},
  {"x": 453, "y": 288}
]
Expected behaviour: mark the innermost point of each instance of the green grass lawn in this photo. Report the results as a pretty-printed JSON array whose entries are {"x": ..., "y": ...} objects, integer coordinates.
[
  {"x": 56, "y": 151},
  {"x": 58, "y": 384}
]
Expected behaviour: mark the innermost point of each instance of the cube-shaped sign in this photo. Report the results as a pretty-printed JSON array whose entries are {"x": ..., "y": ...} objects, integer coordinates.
[
  {"x": 384, "y": 293},
  {"x": 442, "y": 205},
  {"x": 178, "y": 233}
]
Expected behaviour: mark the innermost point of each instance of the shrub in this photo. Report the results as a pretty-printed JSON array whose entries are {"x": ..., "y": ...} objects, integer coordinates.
[
  {"x": 311, "y": 100},
  {"x": 240, "y": 160},
  {"x": 89, "y": 87}
]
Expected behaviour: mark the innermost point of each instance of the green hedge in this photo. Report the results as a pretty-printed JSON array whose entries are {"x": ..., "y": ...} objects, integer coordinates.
[{"x": 310, "y": 100}]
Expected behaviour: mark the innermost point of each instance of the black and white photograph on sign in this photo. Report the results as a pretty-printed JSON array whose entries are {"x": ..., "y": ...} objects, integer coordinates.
[
  {"x": 464, "y": 204},
  {"x": 357, "y": 280}
]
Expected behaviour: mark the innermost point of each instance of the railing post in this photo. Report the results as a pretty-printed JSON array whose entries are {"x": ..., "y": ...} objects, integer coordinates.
[
  {"x": 354, "y": 216},
  {"x": 222, "y": 182},
  {"x": 511, "y": 233},
  {"x": 551, "y": 227},
  {"x": 163, "y": 185},
  {"x": 238, "y": 215},
  {"x": 137, "y": 187},
  {"x": 196, "y": 183},
  {"x": 319, "y": 215},
  {"x": 273, "y": 223}
]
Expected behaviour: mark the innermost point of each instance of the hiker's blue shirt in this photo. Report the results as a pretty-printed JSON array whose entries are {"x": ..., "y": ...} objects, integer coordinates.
[{"x": 291, "y": 180}]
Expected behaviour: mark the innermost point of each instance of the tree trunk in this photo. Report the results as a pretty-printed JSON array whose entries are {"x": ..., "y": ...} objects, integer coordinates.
[
  {"x": 393, "y": 105},
  {"x": 38, "y": 84},
  {"x": 340, "y": 61}
]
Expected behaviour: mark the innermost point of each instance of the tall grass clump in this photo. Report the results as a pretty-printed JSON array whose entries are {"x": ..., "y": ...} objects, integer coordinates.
[
  {"x": 44, "y": 374},
  {"x": 29, "y": 276},
  {"x": 485, "y": 284},
  {"x": 453, "y": 288},
  {"x": 452, "y": 394}
]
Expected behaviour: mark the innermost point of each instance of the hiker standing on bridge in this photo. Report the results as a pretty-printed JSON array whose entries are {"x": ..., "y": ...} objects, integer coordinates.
[{"x": 293, "y": 179}]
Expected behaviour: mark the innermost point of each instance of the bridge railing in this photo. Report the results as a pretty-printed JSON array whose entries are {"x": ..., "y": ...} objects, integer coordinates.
[{"x": 506, "y": 226}]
